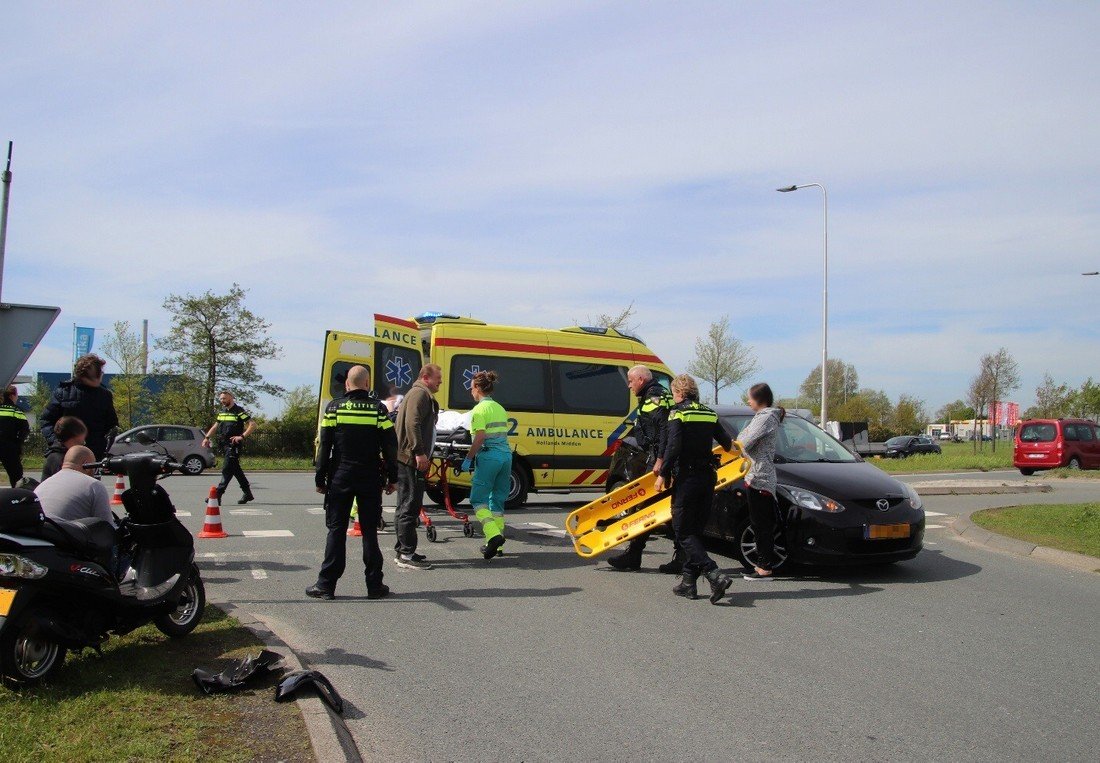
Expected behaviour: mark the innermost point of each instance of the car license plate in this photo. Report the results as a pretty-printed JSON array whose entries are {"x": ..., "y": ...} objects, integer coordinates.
[
  {"x": 1036, "y": 455},
  {"x": 884, "y": 532},
  {"x": 7, "y": 596}
]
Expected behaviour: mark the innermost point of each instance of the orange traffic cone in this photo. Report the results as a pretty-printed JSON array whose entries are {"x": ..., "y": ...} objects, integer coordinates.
[
  {"x": 212, "y": 526},
  {"x": 355, "y": 531},
  {"x": 120, "y": 488}
]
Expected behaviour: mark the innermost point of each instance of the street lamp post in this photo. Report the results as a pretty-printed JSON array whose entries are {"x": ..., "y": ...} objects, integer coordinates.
[{"x": 824, "y": 301}]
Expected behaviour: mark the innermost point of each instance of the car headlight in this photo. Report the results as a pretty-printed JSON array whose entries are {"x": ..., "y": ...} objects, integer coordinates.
[
  {"x": 12, "y": 566},
  {"x": 914, "y": 498},
  {"x": 810, "y": 500}
]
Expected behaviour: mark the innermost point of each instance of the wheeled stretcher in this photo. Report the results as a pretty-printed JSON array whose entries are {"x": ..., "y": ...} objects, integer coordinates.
[
  {"x": 448, "y": 453},
  {"x": 636, "y": 507}
]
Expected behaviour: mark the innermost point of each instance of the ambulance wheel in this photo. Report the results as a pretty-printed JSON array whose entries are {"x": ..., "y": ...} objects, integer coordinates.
[
  {"x": 458, "y": 495},
  {"x": 431, "y": 532},
  {"x": 517, "y": 491},
  {"x": 468, "y": 530},
  {"x": 28, "y": 656}
]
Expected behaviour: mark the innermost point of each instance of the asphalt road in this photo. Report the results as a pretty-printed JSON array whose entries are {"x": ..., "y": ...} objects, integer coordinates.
[{"x": 959, "y": 654}]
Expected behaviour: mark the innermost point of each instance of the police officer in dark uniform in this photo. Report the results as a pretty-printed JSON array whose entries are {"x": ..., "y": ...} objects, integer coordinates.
[
  {"x": 355, "y": 431},
  {"x": 85, "y": 397},
  {"x": 689, "y": 463},
  {"x": 650, "y": 425},
  {"x": 233, "y": 425},
  {"x": 13, "y": 433}
]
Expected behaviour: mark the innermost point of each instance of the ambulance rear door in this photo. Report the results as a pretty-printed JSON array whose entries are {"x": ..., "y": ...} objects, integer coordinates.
[{"x": 391, "y": 354}]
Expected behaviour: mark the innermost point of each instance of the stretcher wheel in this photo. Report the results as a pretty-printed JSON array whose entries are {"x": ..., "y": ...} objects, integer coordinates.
[
  {"x": 468, "y": 530},
  {"x": 431, "y": 533}
]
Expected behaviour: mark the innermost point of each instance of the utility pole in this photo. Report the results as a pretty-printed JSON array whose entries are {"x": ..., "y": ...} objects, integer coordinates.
[
  {"x": 145, "y": 347},
  {"x": 4, "y": 219}
]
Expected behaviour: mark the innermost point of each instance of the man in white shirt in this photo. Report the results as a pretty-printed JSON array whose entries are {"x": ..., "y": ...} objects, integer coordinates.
[{"x": 73, "y": 494}]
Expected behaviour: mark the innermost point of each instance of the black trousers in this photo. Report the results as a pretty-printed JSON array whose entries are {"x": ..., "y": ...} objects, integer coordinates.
[
  {"x": 12, "y": 459},
  {"x": 338, "y": 500},
  {"x": 231, "y": 467},
  {"x": 410, "y": 499},
  {"x": 692, "y": 495},
  {"x": 762, "y": 511}
]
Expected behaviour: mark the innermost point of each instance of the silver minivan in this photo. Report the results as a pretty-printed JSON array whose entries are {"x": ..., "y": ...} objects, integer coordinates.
[{"x": 182, "y": 443}]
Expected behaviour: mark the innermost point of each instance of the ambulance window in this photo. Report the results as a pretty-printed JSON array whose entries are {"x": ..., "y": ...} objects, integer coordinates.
[
  {"x": 337, "y": 376},
  {"x": 523, "y": 384},
  {"x": 590, "y": 388},
  {"x": 395, "y": 367}
]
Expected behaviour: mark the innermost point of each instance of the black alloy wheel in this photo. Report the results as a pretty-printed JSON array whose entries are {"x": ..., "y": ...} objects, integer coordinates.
[{"x": 746, "y": 545}]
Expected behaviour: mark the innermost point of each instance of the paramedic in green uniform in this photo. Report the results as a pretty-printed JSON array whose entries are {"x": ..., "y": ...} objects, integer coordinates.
[{"x": 490, "y": 460}]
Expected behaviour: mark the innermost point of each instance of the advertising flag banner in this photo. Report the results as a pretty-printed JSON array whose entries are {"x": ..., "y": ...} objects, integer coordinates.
[{"x": 84, "y": 338}]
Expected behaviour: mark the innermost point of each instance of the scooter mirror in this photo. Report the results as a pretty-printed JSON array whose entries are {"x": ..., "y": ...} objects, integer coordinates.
[{"x": 144, "y": 438}]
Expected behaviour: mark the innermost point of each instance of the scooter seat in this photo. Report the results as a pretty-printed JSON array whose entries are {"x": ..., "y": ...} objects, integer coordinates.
[{"x": 89, "y": 536}]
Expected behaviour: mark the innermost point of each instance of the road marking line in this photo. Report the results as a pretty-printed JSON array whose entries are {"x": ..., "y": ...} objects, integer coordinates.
[
  {"x": 250, "y": 512},
  {"x": 542, "y": 525},
  {"x": 388, "y": 510},
  {"x": 934, "y": 514},
  {"x": 316, "y": 510},
  {"x": 183, "y": 513},
  {"x": 212, "y": 555},
  {"x": 267, "y": 534},
  {"x": 934, "y": 527},
  {"x": 259, "y": 574},
  {"x": 550, "y": 533}
]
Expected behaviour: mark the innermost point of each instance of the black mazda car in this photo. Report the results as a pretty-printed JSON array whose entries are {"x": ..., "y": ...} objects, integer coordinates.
[{"x": 834, "y": 508}]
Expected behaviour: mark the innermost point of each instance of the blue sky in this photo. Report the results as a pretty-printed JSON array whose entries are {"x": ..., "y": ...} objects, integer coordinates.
[{"x": 539, "y": 163}]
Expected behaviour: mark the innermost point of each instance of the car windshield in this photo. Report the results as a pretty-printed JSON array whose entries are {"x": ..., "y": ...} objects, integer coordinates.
[
  {"x": 799, "y": 441},
  {"x": 894, "y": 442},
  {"x": 1038, "y": 433}
]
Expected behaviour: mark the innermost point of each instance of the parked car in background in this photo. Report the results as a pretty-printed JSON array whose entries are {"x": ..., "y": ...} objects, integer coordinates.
[
  {"x": 910, "y": 445},
  {"x": 1053, "y": 443},
  {"x": 182, "y": 443},
  {"x": 834, "y": 507}
]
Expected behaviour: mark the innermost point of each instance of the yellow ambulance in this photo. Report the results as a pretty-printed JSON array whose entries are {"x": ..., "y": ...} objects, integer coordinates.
[{"x": 564, "y": 389}]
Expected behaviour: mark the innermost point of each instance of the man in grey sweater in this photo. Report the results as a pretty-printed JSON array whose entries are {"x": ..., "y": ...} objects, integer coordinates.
[
  {"x": 416, "y": 420},
  {"x": 71, "y": 493}
]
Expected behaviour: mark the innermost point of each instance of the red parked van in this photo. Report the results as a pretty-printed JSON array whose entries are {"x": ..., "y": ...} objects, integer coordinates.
[{"x": 1051, "y": 443}]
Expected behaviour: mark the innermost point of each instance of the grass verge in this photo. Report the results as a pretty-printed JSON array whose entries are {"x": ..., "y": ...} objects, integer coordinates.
[
  {"x": 956, "y": 457},
  {"x": 137, "y": 702},
  {"x": 1068, "y": 526}
]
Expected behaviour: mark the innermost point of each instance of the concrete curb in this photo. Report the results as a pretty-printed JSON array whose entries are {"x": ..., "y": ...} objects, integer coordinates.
[
  {"x": 328, "y": 734},
  {"x": 969, "y": 532},
  {"x": 931, "y": 488}
]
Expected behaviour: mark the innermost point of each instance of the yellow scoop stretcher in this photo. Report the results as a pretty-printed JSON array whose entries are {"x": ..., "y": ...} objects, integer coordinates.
[{"x": 636, "y": 507}]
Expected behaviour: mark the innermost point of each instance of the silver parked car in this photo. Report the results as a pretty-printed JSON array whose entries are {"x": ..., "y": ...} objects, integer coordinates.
[{"x": 183, "y": 443}]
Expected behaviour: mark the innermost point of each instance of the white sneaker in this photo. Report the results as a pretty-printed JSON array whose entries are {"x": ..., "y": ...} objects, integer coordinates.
[{"x": 409, "y": 563}]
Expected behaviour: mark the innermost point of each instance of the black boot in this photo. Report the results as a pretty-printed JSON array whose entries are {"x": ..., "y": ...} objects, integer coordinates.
[
  {"x": 719, "y": 583},
  {"x": 628, "y": 560},
  {"x": 686, "y": 586},
  {"x": 676, "y": 566}
]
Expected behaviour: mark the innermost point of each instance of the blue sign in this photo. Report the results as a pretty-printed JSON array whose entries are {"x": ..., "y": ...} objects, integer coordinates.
[
  {"x": 399, "y": 372},
  {"x": 82, "y": 343},
  {"x": 468, "y": 376}
]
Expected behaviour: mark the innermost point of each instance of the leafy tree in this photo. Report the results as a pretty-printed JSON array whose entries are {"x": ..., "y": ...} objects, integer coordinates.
[
  {"x": 215, "y": 342},
  {"x": 126, "y": 349},
  {"x": 1004, "y": 376},
  {"x": 872, "y": 406},
  {"x": 296, "y": 426},
  {"x": 909, "y": 416},
  {"x": 954, "y": 411},
  {"x": 39, "y": 397},
  {"x": 1087, "y": 400},
  {"x": 843, "y": 383},
  {"x": 978, "y": 397},
  {"x": 1052, "y": 400},
  {"x": 721, "y": 359},
  {"x": 183, "y": 401}
]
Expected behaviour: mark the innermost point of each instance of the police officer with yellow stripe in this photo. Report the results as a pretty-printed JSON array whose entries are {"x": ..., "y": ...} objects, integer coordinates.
[
  {"x": 13, "y": 433},
  {"x": 690, "y": 463},
  {"x": 650, "y": 427},
  {"x": 355, "y": 432},
  {"x": 233, "y": 425}
]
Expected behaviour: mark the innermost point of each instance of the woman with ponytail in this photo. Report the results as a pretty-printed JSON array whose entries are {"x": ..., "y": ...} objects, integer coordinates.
[
  {"x": 490, "y": 460},
  {"x": 758, "y": 441}
]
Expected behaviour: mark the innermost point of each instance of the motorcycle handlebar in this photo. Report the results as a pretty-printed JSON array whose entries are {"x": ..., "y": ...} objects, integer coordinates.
[{"x": 130, "y": 464}]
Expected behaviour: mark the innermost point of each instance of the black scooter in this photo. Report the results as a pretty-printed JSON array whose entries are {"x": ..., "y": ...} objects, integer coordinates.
[{"x": 66, "y": 585}]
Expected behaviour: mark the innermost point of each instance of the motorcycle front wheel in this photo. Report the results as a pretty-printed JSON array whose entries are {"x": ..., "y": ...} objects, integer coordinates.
[
  {"x": 28, "y": 656},
  {"x": 188, "y": 612}
]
